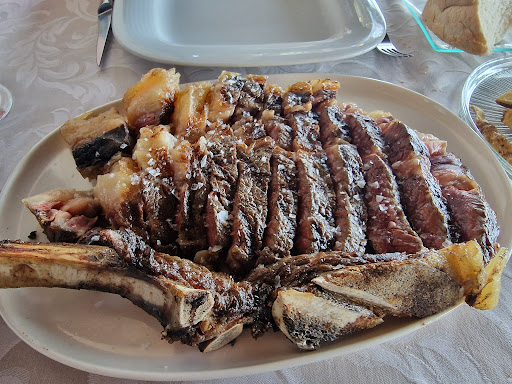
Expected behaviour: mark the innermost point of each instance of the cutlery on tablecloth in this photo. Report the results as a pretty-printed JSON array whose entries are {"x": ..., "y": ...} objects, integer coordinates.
[
  {"x": 388, "y": 48},
  {"x": 104, "y": 19}
]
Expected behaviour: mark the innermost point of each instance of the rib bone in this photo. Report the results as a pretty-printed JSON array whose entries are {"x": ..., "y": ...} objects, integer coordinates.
[{"x": 101, "y": 269}]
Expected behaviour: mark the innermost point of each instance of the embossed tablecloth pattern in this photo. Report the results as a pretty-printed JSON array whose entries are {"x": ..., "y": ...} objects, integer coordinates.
[{"x": 47, "y": 59}]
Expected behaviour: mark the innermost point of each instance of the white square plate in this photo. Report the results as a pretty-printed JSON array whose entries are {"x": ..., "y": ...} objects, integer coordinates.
[{"x": 247, "y": 33}]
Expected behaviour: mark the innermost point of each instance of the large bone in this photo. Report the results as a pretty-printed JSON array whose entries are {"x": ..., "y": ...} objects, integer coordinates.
[
  {"x": 101, "y": 269},
  {"x": 399, "y": 288},
  {"x": 307, "y": 319}
]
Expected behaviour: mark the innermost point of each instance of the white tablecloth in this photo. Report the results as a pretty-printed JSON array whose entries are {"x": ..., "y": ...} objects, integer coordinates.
[{"x": 47, "y": 60}]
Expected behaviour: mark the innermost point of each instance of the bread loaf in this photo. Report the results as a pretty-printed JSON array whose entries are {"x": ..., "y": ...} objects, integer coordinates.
[{"x": 474, "y": 26}]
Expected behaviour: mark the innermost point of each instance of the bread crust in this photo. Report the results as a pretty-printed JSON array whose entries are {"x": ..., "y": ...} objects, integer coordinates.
[{"x": 458, "y": 23}]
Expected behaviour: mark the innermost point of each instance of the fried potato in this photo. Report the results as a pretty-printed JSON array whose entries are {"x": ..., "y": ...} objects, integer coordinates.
[
  {"x": 489, "y": 296},
  {"x": 505, "y": 99}
]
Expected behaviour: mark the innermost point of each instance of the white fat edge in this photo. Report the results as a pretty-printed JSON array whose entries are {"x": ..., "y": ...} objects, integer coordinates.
[{"x": 353, "y": 293}]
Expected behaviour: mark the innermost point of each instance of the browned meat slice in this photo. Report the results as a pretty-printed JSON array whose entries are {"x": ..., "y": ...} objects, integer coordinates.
[
  {"x": 297, "y": 107},
  {"x": 350, "y": 214},
  {"x": 250, "y": 205},
  {"x": 316, "y": 225},
  {"x": 306, "y": 131},
  {"x": 282, "y": 208},
  {"x": 163, "y": 162},
  {"x": 273, "y": 99},
  {"x": 449, "y": 170},
  {"x": 366, "y": 135},
  {"x": 223, "y": 177},
  {"x": 277, "y": 128},
  {"x": 64, "y": 215},
  {"x": 151, "y": 100},
  {"x": 181, "y": 161},
  {"x": 421, "y": 194},
  {"x": 252, "y": 95},
  {"x": 159, "y": 207},
  {"x": 224, "y": 97},
  {"x": 333, "y": 127},
  {"x": 470, "y": 214},
  {"x": 388, "y": 229},
  {"x": 193, "y": 235}
]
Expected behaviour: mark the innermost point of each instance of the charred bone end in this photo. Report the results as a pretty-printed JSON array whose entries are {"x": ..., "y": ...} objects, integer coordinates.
[
  {"x": 307, "y": 320},
  {"x": 223, "y": 339}
]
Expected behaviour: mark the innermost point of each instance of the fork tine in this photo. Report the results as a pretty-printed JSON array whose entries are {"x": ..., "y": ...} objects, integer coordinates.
[{"x": 388, "y": 48}]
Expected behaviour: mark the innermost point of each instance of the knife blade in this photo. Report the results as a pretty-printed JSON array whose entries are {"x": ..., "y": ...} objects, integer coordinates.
[{"x": 104, "y": 19}]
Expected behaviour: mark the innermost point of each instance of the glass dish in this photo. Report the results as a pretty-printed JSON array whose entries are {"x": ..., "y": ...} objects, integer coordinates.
[
  {"x": 247, "y": 33},
  {"x": 487, "y": 82},
  {"x": 416, "y": 8}
]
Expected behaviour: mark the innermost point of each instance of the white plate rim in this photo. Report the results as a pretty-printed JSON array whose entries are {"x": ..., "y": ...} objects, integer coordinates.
[
  {"x": 258, "y": 55},
  {"x": 350, "y": 84}
]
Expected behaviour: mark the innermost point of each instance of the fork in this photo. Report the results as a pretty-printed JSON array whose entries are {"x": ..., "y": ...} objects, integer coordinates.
[{"x": 388, "y": 48}]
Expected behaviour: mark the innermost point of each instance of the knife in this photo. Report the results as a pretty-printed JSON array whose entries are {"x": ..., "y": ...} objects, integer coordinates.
[{"x": 104, "y": 19}]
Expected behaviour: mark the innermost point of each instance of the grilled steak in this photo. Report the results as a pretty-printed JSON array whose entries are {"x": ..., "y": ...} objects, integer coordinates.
[
  {"x": 252, "y": 97},
  {"x": 223, "y": 178},
  {"x": 250, "y": 205},
  {"x": 276, "y": 196},
  {"x": 421, "y": 195},
  {"x": 471, "y": 216},
  {"x": 282, "y": 208},
  {"x": 333, "y": 127},
  {"x": 388, "y": 228},
  {"x": 316, "y": 229}
]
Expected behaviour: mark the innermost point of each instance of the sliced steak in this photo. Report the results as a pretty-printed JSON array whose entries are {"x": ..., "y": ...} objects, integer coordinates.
[
  {"x": 317, "y": 202},
  {"x": 333, "y": 127},
  {"x": 282, "y": 208},
  {"x": 252, "y": 95},
  {"x": 388, "y": 230},
  {"x": 277, "y": 128},
  {"x": 421, "y": 194},
  {"x": 192, "y": 200},
  {"x": 306, "y": 131},
  {"x": 297, "y": 107},
  {"x": 350, "y": 214},
  {"x": 250, "y": 205},
  {"x": 273, "y": 99},
  {"x": 366, "y": 135},
  {"x": 471, "y": 216},
  {"x": 219, "y": 203}
]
